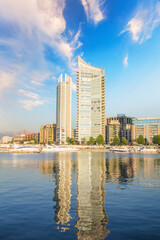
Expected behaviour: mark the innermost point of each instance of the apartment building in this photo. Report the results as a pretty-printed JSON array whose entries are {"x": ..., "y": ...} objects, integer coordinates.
[
  {"x": 147, "y": 127},
  {"x": 48, "y": 133},
  {"x": 124, "y": 127},
  {"x": 90, "y": 101},
  {"x": 63, "y": 116}
]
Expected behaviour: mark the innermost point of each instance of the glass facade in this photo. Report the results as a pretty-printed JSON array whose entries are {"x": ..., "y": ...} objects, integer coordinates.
[
  {"x": 90, "y": 101},
  {"x": 146, "y": 121}
]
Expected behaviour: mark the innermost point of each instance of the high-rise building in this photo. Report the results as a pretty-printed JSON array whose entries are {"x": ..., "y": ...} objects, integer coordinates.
[
  {"x": 90, "y": 101},
  {"x": 63, "y": 118},
  {"x": 125, "y": 126},
  {"x": 48, "y": 133},
  {"x": 147, "y": 127}
]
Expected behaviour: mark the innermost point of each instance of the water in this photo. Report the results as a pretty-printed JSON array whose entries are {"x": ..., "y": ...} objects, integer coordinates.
[{"x": 79, "y": 196}]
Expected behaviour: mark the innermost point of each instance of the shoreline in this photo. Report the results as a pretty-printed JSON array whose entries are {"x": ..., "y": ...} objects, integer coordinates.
[{"x": 20, "y": 148}]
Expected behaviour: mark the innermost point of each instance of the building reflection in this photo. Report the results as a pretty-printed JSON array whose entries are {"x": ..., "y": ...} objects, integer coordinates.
[
  {"x": 90, "y": 174},
  {"x": 46, "y": 167},
  {"x": 92, "y": 217},
  {"x": 62, "y": 193},
  {"x": 89, "y": 171},
  {"x": 119, "y": 169},
  {"x": 125, "y": 170}
]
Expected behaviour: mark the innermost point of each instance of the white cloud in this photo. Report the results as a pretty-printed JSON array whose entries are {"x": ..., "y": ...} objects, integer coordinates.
[
  {"x": 125, "y": 61},
  {"x": 7, "y": 80},
  {"x": 37, "y": 83},
  {"x": 39, "y": 21},
  {"x": 93, "y": 10},
  {"x": 29, "y": 94},
  {"x": 142, "y": 25},
  {"x": 29, "y": 104},
  {"x": 74, "y": 87}
]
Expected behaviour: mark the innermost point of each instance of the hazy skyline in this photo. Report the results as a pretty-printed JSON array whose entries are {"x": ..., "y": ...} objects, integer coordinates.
[{"x": 40, "y": 39}]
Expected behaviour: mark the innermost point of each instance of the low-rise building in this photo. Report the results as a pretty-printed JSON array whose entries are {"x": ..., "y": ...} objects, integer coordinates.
[
  {"x": 19, "y": 138},
  {"x": 147, "y": 127},
  {"x": 5, "y": 139},
  {"x": 124, "y": 127},
  {"x": 32, "y": 136},
  {"x": 48, "y": 133},
  {"x": 113, "y": 129}
]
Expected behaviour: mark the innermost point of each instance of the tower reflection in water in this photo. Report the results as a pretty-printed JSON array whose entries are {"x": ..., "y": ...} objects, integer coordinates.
[
  {"x": 89, "y": 171},
  {"x": 62, "y": 193},
  {"x": 92, "y": 218},
  {"x": 90, "y": 174}
]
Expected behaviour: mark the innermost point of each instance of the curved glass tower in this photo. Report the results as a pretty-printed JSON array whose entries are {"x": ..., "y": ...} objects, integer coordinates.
[{"x": 90, "y": 101}]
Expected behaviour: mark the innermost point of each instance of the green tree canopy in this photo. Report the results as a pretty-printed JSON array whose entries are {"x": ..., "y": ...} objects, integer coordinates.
[
  {"x": 68, "y": 140},
  {"x": 91, "y": 141},
  {"x": 141, "y": 140},
  {"x": 116, "y": 141},
  {"x": 100, "y": 140},
  {"x": 124, "y": 141},
  {"x": 73, "y": 141},
  {"x": 84, "y": 140},
  {"x": 156, "y": 139}
]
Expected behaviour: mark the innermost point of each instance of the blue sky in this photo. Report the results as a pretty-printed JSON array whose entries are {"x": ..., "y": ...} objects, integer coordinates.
[{"x": 40, "y": 39}]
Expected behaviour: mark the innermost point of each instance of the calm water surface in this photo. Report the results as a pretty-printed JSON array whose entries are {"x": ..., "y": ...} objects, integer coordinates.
[{"x": 79, "y": 196}]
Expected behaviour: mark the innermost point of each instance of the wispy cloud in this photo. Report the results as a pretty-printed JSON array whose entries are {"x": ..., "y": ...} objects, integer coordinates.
[
  {"x": 34, "y": 24},
  {"x": 93, "y": 10},
  {"x": 125, "y": 61},
  {"x": 7, "y": 80},
  {"x": 142, "y": 25},
  {"x": 74, "y": 87},
  {"x": 28, "y": 94},
  {"x": 29, "y": 104}
]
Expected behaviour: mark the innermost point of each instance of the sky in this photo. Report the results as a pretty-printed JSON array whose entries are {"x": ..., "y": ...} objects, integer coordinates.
[{"x": 40, "y": 39}]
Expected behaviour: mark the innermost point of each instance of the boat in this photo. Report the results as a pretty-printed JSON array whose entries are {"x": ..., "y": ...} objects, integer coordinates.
[
  {"x": 55, "y": 148},
  {"x": 24, "y": 149},
  {"x": 120, "y": 150}
]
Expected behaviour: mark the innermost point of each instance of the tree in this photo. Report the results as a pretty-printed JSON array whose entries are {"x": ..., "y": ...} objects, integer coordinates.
[
  {"x": 73, "y": 141},
  {"x": 124, "y": 141},
  {"x": 36, "y": 141},
  {"x": 100, "y": 140},
  {"x": 51, "y": 142},
  {"x": 91, "y": 141},
  {"x": 141, "y": 140},
  {"x": 156, "y": 139},
  {"x": 116, "y": 141},
  {"x": 68, "y": 140},
  {"x": 84, "y": 140}
]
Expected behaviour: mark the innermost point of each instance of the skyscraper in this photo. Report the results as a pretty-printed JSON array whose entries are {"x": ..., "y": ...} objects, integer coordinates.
[
  {"x": 63, "y": 118},
  {"x": 90, "y": 101}
]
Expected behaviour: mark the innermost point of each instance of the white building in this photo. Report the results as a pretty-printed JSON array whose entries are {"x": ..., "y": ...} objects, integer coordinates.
[
  {"x": 63, "y": 118},
  {"x": 5, "y": 139}
]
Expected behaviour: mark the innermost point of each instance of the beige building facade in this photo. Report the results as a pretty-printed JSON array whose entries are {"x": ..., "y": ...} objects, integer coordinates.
[
  {"x": 63, "y": 116},
  {"x": 48, "y": 133},
  {"x": 125, "y": 126},
  {"x": 90, "y": 101},
  {"x": 113, "y": 130},
  {"x": 147, "y": 127}
]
